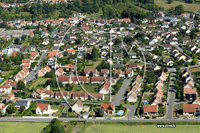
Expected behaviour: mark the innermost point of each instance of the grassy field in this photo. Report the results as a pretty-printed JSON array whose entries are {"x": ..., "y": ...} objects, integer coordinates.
[
  {"x": 141, "y": 129},
  {"x": 188, "y": 7},
  {"x": 197, "y": 69},
  {"x": 21, "y": 127},
  {"x": 90, "y": 88},
  {"x": 95, "y": 63},
  {"x": 37, "y": 82}
]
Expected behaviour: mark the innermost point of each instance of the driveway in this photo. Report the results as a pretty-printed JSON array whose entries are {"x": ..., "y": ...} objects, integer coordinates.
[
  {"x": 121, "y": 92},
  {"x": 131, "y": 111},
  {"x": 31, "y": 76}
]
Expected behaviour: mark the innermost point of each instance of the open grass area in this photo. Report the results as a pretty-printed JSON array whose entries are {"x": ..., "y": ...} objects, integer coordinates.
[
  {"x": 37, "y": 82},
  {"x": 188, "y": 7},
  {"x": 6, "y": 72},
  {"x": 21, "y": 127},
  {"x": 91, "y": 88},
  {"x": 95, "y": 63},
  {"x": 57, "y": 107},
  {"x": 196, "y": 69},
  {"x": 140, "y": 129}
]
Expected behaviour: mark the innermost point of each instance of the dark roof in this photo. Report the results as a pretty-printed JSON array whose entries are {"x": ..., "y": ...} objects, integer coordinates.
[{"x": 21, "y": 102}]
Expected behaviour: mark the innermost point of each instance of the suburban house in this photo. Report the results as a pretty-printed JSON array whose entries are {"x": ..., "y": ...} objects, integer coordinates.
[
  {"x": 108, "y": 108},
  {"x": 43, "y": 109},
  {"x": 59, "y": 72},
  {"x": 3, "y": 108},
  {"x": 190, "y": 109},
  {"x": 106, "y": 86},
  {"x": 91, "y": 72},
  {"x": 150, "y": 109},
  {"x": 77, "y": 106},
  {"x": 5, "y": 89},
  {"x": 20, "y": 103}
]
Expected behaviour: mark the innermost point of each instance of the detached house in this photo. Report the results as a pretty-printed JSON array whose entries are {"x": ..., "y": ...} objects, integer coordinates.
[
  {"x": 108, "y": 108},
  {"x": 5, "y": 89},
  {"x": 150, "y": 109},
  {"x": 106, "y": 86},
  {"x": 77, "y": 106},
  {"x": 190, "y": 109},
  {"x": 43, "y": 109}
]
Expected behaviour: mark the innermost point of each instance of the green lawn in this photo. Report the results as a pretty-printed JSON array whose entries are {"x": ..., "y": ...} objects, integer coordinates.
[
  {"x": 90, "y": 88},
  {"x": 194, "y": 7},
  {"x": 140, "y": 129},
  {"x": 21, "y": 127},
  {"x": 57, "y": 107},
  {"x": 95, "y": 63},
  {"x": 37, "y": 82}
]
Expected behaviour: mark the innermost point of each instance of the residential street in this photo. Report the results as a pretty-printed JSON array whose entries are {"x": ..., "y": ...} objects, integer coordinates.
[
  {"x": 48, "y": 119},
  {"x": 131, "y": 111},
  {"x": 121, "y": 92},
  {"x": 171, "y": 97},
  {"x": 31, "y": 76}
]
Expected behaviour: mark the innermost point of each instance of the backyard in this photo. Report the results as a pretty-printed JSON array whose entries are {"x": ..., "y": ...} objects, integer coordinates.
[{"x": 36, "y": 82}]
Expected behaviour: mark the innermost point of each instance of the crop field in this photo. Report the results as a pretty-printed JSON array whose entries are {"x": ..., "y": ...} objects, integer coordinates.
[
  {"x": 102, "y": 128},
  {"x": 21, "y": 127}
]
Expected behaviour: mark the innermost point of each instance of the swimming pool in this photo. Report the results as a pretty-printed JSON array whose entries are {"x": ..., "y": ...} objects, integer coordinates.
[{"x": 1, "y": 79}]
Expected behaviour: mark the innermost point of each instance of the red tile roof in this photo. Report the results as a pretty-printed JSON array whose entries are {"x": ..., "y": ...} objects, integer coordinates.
[
  {"x": 150, "y": 108},
  {"x": 190, "y": 107},
  {"x": 107, "y": 107},
  {"x": 42, "y": 107}
]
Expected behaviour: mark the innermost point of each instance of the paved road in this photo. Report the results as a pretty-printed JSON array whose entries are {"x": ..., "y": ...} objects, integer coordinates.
[
  {"x": 90, "y": 120},
  {"x": 171, "y": 97},
  {"x": 54, "y": 33},
  {"x": 37, "y": 68},
  {"x": 131, "y": 111},
  {"x": 121, "y": 92}
]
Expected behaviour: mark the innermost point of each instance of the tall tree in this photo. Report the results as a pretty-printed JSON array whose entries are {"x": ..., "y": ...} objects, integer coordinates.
[
  {"x": 54, "y": 127},
  {"x": 179, "y": 10}
]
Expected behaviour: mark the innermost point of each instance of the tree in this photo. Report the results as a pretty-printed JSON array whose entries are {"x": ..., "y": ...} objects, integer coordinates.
[
  {"x": 0, "y": 113},
  {"x": 54, "y": 127},
  {"x": 169, "y": 1},
  {"x": 179, "y": 10},
  {"x": 160, "y": 105},
  {"x": 94, "y": 54},
  {"x": 21, "y": 85},
  {"x": 195, "y": 61},
  {"x": 101, "y": 113},
  {"x": 22, "y": 108},
  {"x": 11, "y": 108},
  {"x": 193, "y": 34}
]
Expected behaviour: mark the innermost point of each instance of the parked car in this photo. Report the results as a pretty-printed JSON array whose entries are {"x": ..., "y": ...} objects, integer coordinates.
[
  {"x": 185, "y": 118},
  {"x": 147, "y": 118},
  {"x": 154, "y": 117},
  {"x": 109, "y": 118}
]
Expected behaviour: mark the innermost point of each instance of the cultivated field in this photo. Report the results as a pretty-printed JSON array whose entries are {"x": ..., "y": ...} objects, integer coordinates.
[
  {"x": 97, "y": 128},
  {"x": 188, "y": 7},
  {"x": 21, "y": 127}
]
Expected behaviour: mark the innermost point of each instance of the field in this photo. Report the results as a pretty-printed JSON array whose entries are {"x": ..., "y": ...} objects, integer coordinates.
[
  {"x": 21, "y": 127},
  {"x": 90, "y": 88},
  {"x": 38, "y": 81},
  {"x": 188, "y": 7},
  {"x": 140, "y": 129}
]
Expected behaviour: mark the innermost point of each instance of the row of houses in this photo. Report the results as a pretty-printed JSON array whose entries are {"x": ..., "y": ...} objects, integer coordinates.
[
  {"x": 46, "y": 92},
  {"x": 136, "y": 87}
]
